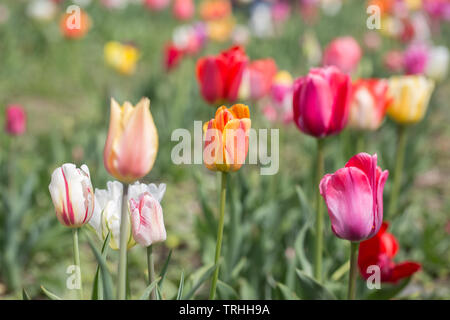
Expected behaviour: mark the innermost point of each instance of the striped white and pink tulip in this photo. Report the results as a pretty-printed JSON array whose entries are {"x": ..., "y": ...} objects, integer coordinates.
[{"x": 72, "y": 195}]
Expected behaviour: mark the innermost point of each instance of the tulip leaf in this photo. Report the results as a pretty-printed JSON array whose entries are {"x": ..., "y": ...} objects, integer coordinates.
[
  {"x": 181, "y": 287},
  {"x": 49, "y": 294},
  {"x": 97, "y": 289},
  {"x": 287, "y": 293},
  {"x": 203, "y": 277},
  {"x": 105, "y": 274},
  {"x": 226, "y": 291},
  {"x": 149, "y": 289},
  {"x": 25, "y": 295},
  {"x": 163, "y": 276},
  {"x": 389, "y": 292},
  {"x": 310, "y": 289},
  {"x": 299, "y": 246}
]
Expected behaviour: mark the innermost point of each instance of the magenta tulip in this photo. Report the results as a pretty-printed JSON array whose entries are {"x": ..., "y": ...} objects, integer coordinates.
[
  {"x": 15, "y": 120},
  {"x": 321, "y": 101},
  {"x": 354, "y": 197},
  {"x": 343, "y": 53}
]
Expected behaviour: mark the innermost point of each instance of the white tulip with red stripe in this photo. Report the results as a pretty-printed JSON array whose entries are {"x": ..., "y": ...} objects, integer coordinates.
[
  {"x": 72, "y": 195},
  {"x": 147, "y": 222}
]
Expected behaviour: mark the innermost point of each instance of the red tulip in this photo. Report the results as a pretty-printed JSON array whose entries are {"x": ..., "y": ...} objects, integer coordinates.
[
  {"x": 321, "y": 101},
  {"x": 354, "y": 198},
  {"x": 220, "y": 76},
  {"x": 16, "y": 120},
  {"x": 343, "y": 53},
  {"x": 156, "y": 5},
  {"x": 172, "y": 56},
  {"x": 380, "y": 250},
  {"x": 369, "y": 103}
]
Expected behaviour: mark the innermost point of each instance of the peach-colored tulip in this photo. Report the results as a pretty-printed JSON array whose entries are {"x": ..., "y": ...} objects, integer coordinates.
[{"x": 132, "y": 143}]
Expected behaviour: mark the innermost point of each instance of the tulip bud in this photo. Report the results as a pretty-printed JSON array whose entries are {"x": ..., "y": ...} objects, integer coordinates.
[
  {"x": 368, "y": 103},
  {"x": 121, "y": 57},
  {"x": 354, "y": 197},
  {"x": 72, "y": 195},
  {"x": 132, "y": 143},
  {"x": 437, "y": 66},
  {"x": 343, "y": 53},
  {"x": 147, "y": 220},
  {"x": 411, "y": 95},
  {"x": 107, "y": 215},
  {"x": 226, "y": 138},
  {"x": 321, "y": 101},
  {"x": 16, "y": 120}
]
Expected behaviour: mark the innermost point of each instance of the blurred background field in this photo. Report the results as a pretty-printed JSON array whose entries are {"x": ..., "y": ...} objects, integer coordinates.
[{"x": 65, "y": 86}]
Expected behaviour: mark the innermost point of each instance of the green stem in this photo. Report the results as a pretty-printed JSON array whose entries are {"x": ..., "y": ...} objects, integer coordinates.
[
  {"x": 400, "y": 156},
  {"x": 76, "y": 260},
  {"x": 360, "y": 142},
  {"x": 122, "y": 279},
  {"x": 319, "y": 218},
  {"x": 353, "y": 270},
  {"x": 151, "y": 271},
  {"x": 223, "y": 195}
]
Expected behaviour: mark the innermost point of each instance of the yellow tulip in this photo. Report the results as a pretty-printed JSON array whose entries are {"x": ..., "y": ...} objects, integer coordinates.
[
  {"x": 411, "y": 95},
  {"x": 132, "y": 143},
  {"x": 121, "y": 57}
]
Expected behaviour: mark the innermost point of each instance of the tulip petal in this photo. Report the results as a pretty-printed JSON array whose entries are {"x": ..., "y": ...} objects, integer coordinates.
[
  {"x": 235, "y": 141},
  {"x": 404, "y": 270}
]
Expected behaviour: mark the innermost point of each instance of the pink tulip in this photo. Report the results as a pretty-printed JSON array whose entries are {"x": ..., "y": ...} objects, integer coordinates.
[
  {"x": 183, "y": 9},
  {"x": 132, "y": 143},
  {"x": 354, "y": 197},
  {"x": 16, "y": 120},
  {"x": 321, "y": 101},
  {"x": 393, "y": 60},
  {"x": 343, "y": 53},
  {"x": 258, "y": 78},
  {"x": 416, "y": 58},
  {"x": 147, "y": 222}
]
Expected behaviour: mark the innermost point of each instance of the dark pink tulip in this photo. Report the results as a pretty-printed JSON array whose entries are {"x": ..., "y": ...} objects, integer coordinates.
[
  {"x": 354, "y": 197},
  {"x": 343, "y": 53},
  {"x": 321, "y": 101},
  {"x": 416, "y": 58},
  {"x": 16, "y": 120}
]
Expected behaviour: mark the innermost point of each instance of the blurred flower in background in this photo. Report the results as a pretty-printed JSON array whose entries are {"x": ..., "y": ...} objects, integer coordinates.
[
  {"x": 261, "y": 23},
  {"x": 42, "y": 10},
  {"x": 16, "y": 120},
  {"x": 156, "y": 5},
  {"x": 121, "y": 57},
  {"x": 380, "y": 251},
  {"x": 369, "y": 103},
  {"x": 4, "y": 14},
  {"x": 415, "y": 58},
  {"x": 114, "y": 4},
  {"x": 279, "y": 106},
  {"x": 393, "y": 60},
  {"x": 411, "y": 95},
  {"x": 437, "y": 65},
  {"x": 344, "y": 53},
  {"x": 183, "y": 9},
  {"x": 72, "y": 195},
  {"x": 257, "y": 79},
  {"x": 73, "y": 26},
  {"x": 311, "y": 48}
]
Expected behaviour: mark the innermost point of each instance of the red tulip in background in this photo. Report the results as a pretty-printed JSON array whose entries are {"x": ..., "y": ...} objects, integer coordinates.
[
  {"x": 343, "y": 53},
  {"x": 156, "y": 5},
  {"x": 75, "y": 26},
  {"x": 380, "y": 250},
  {"x": 220, "y": 76},
  {"x": 369, "y": 103},
  {"x": 321, "y": 101},
  {"x": 172, "y": 56},
  {"x": 16, "y": 120},
  {"x": 354, "y": 198}
]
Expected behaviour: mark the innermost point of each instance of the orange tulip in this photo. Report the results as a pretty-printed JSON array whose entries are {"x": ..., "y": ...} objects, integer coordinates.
[
  {"x": 226, "y": 138},
  {"x": 132, "y": 143}
]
